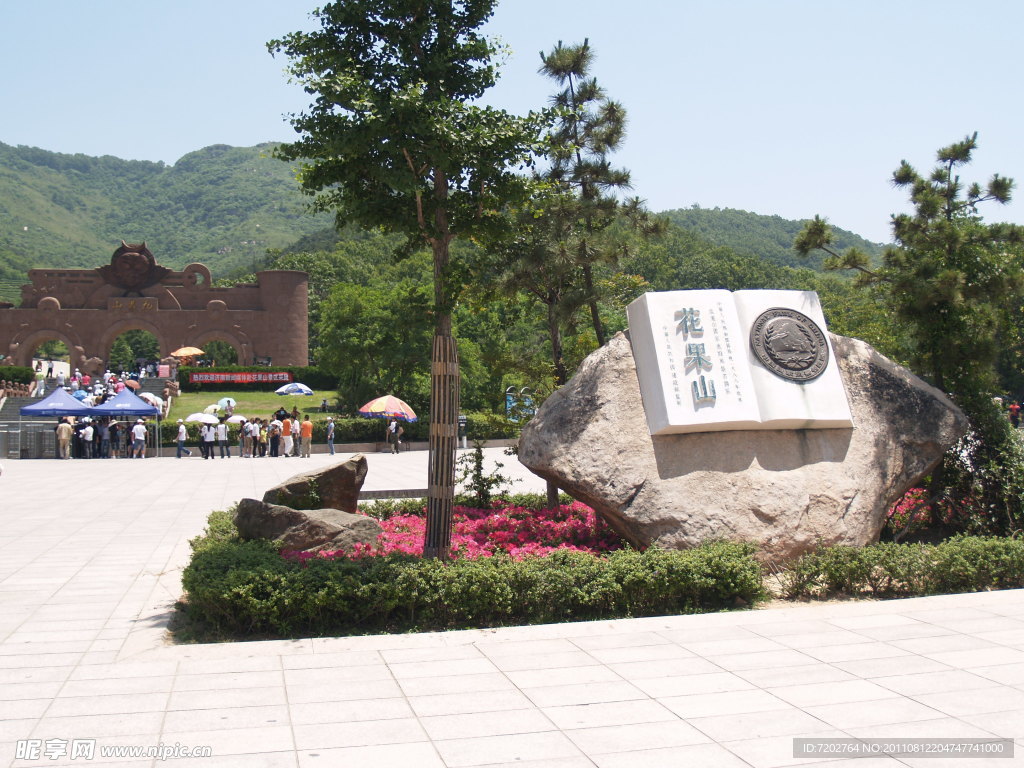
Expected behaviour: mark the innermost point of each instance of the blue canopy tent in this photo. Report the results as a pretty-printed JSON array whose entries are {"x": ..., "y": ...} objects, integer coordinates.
[
  {"x": 127, "y": 403},
  {"x": 57, "y": 403}
]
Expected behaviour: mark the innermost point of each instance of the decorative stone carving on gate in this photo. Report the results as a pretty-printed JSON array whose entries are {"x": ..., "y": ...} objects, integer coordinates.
[{"x": 87, "y": 309}]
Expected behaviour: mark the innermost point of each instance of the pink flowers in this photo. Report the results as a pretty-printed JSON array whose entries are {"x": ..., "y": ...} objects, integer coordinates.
[{"x": 516, "y": 531}]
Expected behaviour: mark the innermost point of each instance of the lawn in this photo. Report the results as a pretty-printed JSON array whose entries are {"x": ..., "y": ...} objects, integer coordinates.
[{"x": 252, "y": 404}]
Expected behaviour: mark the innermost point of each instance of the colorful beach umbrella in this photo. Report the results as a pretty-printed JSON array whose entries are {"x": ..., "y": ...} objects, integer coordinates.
[
  {"x": 388, "y": 407},
  {"x": 295, "y": 388},
  {"x": 187, "y": 352},
  {"x": 202, "y": 418}
]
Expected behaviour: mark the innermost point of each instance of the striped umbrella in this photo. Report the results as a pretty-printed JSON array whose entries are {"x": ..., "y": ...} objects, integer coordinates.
[{"x": 388, "y": 407}]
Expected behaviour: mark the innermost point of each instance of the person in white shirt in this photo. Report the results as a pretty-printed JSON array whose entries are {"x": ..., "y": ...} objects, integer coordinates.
[
  {"x": 139, "y": 440},
  {"x": 87, "y": 435},
  {"x": 222, "y": 440},
  {"x": 182, "y": 437},
  {"x": 209, "y": 435}
]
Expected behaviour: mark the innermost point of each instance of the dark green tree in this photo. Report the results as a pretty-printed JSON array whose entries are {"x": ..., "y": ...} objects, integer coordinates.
[
  {"x": 589, "y": 129},
  {"x": 954, "y": 283},
  {"x": 393, "y": 140}
]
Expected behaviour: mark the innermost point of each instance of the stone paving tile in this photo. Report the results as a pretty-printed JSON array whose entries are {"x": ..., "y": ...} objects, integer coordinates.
[
  {"x": 460, "y": 753},
  {"x": 350, "y": 711},
  {"x": 754, "y": 725},
  {"x": 235, "y": 741},
  {"x": 583, "y": 693},
  {"x": 771, "y": 677},
  {"x": 418, "y": 754},
  {"x": 725, "y": 703},
  {"x": 838, "y": 692},
  {"x": 609, "y": 714},
  {"x": 873, "y": 713},
  {"x": 81, "y": 726},
  {"x": 933, "y": 682},
  {"x": 559, "y": 659},
  {"x": 461, "y": 684},
  {"x": 365, "y": 733},
  {"x": 637, "y": 736},
  {"x": 465, "y": 703},
  {"x": 685, "y": 685},
  {"x": 704, "y": 755},
  {"x": 477, "y": 724},
  {"x": 642, "y": 670}
]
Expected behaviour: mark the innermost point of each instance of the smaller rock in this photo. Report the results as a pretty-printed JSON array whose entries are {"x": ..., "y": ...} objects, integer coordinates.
[
  {"x": 310, "y": 530},
  {"x": 334, "y": 487}
]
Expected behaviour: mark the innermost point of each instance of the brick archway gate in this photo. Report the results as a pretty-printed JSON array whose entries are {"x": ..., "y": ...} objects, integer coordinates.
[{"x": 88, "y": 309}]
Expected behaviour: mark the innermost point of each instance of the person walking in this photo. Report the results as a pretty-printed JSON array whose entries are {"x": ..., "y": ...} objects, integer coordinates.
[
  {"x": 64, "y": 433},
  {"x": 306, "y": 433},
  {"x": 330, "y": 435},
  {"x": 222, "y": 439},
  {"x": 182, "y": 437}
]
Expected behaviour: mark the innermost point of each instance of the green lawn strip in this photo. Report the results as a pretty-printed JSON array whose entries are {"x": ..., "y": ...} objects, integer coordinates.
[{"x": 252, "y": 404}]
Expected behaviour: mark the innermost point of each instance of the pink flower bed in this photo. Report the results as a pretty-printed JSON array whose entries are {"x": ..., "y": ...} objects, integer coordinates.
[{"x": 516, "y": 531}]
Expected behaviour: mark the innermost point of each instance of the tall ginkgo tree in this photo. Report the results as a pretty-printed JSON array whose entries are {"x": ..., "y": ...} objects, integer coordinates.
[{"x": 393, "y": 139}]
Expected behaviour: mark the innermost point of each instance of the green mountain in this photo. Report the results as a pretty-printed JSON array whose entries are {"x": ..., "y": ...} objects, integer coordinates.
[
  {"x": 227, "y": 206},
  {"x": 223, "y": 206},
  {"x": 764, "y": 237}
]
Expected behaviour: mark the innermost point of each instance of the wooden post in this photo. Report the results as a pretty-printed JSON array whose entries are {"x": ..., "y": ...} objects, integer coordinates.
[{"x": 444, "y": 416}]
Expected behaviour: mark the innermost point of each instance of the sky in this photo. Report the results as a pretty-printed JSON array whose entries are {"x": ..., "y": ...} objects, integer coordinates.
[{"x": 791, "y": 107}]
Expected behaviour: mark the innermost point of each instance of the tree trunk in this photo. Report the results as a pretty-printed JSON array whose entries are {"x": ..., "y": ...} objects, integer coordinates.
[
  {"x": 552, "y": 495},
  {"x": 444, "y": 392},
  {"x": 444, "y": 415},
  {"x": 595, "y": 316}
]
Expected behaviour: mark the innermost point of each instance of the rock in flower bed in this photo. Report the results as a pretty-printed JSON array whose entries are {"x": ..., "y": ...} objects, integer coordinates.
[
  {"x": 512, "y": 566},
  {"x": 512, "y": 530}
]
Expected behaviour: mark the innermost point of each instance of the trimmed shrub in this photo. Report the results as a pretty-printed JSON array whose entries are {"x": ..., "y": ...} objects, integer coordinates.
[
  {"x": 238, "y": 588},
  {"x": 19, "y": 374},
  {"x": 959, "y": 564}
]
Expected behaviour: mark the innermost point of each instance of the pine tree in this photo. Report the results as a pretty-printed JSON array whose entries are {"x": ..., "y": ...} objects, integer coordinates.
[
  {"x": 590, "y": 128},
  {"x": 955, "y": 284}
]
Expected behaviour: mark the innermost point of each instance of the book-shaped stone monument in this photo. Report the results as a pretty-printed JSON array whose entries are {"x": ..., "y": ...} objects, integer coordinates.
[{"x": 717, "y": 360}]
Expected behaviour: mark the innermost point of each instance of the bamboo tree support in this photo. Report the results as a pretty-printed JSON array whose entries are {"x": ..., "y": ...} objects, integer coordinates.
[{"x": 444, "y": 415}]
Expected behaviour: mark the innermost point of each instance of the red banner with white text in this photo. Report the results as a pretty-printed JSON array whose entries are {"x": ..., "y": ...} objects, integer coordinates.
[{"x": 240, "y": 377}]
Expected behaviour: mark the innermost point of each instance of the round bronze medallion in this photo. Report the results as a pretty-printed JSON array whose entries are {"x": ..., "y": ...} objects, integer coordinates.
[{"x": 789, "y": 344}]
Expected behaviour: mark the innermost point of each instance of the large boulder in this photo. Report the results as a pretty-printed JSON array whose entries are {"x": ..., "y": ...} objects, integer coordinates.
[
  {"x": 309, "y": 530},
  {"x": 334, "y": 487},
  {"x": 786, "y": 490}
]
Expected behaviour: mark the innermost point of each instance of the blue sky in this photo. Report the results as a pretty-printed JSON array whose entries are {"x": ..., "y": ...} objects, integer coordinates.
[{"x": 790, "y": 107}]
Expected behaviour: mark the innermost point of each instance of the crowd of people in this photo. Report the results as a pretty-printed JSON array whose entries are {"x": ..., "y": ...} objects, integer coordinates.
[
  {"x": 283, "y": 434},
  {"x": 102, "y": 438}
]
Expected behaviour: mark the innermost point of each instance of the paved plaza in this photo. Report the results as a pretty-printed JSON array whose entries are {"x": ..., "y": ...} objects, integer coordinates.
[{"x": 91, "y": 554}]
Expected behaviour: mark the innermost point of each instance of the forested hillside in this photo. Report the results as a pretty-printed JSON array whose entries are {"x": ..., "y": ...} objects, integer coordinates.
[
  {"x": 764, "y": 237},
  {"x": 223, "y": 206}
]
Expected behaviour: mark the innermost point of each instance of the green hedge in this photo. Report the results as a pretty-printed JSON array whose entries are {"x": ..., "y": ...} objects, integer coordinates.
[
  {"x": 237, "y": 588},
  {"x": 311, "y": 376},
  {"x": 19, "y": 374},
  {"x": 959, "y": 564},
  {"x": 360, "y": 430}
]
